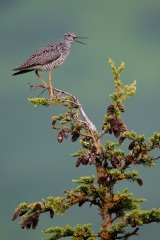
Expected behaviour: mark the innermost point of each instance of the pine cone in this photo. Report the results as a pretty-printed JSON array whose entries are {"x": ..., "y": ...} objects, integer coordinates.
[
  {"x": 65, "y": 134},
  {"x": 60, "y": 137},
  {"x": 113, "y": 123},
  {"x": 116, "y": 133},
  {"x": 110, "y": 109},
  {"x": 15, "y": 215},
  {"x": 75, "y": 136},
  {"x": 51, "y": 213},
  {"x": 121, "y": 139},
  {"x": 93, "y": 149},
  {"x": 85, "y": 160},
  {"x": 92, "y": 159},
  {"x": 123, "y": 128},
  {"x": 122, "y": 108},
  {"x": 131, "y": 145},
  {"x": 78, "y": 161}
]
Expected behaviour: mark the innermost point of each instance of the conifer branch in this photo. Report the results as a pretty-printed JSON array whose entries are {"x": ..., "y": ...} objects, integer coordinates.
[{"x": 118, "y": 210}]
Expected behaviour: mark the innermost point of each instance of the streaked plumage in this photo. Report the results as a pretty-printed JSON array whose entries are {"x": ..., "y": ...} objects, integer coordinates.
[{"x": 48, "y": 58}]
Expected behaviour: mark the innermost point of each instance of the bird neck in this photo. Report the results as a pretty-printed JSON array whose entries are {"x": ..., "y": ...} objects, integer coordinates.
[{"x": 66, "y": 43}]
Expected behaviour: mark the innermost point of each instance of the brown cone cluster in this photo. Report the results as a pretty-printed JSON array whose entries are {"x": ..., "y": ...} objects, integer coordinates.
[
  {"x": 88, "y": 158},
  {"x": 116, "y": 124},
  {"x": 31, "y": 221}
]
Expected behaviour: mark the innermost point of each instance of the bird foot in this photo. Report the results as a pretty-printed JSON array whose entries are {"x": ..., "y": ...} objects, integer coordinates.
[{"x": 52, "y": 98}]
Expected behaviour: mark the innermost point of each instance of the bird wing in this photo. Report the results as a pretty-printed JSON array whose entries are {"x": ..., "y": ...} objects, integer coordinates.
[{"x": 42, "y": 56}]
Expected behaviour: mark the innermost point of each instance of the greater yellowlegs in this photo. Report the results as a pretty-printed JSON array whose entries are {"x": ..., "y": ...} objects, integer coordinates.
[{"x": 48, "y": 58}]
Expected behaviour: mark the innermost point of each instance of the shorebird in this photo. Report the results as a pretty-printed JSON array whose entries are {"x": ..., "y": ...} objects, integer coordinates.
[{"x": 48, "y": 58}]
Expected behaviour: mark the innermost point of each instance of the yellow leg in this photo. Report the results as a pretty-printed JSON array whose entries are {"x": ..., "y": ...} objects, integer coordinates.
[
  {"x": 50, "y": 85},
  {"x": 44, "y": 83}
]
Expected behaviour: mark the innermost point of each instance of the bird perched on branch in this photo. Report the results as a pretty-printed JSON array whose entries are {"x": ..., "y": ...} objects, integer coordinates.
[{"x": 48, "y": 58}]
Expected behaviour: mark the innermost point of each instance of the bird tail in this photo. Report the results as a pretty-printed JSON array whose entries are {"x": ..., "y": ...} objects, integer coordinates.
[{"x": 21, "y": 72}]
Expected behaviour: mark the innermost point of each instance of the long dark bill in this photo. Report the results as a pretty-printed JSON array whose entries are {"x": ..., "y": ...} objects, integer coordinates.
[{"x": 79, "y": 41}]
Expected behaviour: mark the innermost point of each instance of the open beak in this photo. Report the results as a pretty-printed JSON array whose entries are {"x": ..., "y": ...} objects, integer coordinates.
[{"x": 79, "y": 41}]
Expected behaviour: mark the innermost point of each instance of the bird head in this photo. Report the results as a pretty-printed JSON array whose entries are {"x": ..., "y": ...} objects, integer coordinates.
[{"x": 71, "y": 37}]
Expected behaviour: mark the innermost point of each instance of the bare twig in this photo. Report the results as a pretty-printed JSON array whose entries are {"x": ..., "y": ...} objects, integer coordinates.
[
  {"x": 127, "y": 235},
  {"x": 90, "y": 125}
]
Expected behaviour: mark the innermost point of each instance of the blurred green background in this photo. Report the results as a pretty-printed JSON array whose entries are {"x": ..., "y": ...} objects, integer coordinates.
[{"x": 33, "y": 164}]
